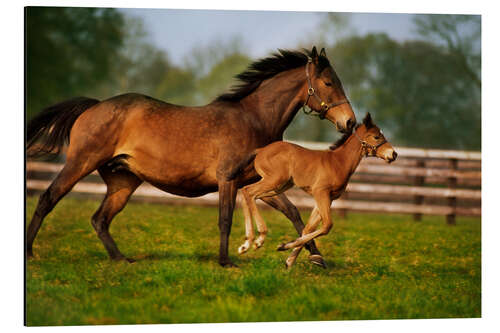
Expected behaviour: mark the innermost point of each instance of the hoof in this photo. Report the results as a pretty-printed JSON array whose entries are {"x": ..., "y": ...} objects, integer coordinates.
[
  {"x": 289, "y": 263},
  {"x": 317, "y": 260},
  {"x": 257, "y": 245},
  {"x": 281, "y": 247},
  {"x": 242, "y": 249},
  {"x": 130, "y": 260},
  {"x": 228, "y": 265},
  {"x": 258, "y": 242}
]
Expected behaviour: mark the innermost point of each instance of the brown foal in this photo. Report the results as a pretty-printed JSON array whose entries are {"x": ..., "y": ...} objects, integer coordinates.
[{"x": 322, "y": 174}]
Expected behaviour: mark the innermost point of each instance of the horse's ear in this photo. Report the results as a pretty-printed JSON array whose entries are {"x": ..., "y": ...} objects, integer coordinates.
[
  {"x": 367, "y": 121},
  {"x": 322, "y": 53}
]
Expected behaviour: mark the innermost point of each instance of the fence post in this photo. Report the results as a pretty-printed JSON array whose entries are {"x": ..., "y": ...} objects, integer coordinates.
[
  {"x": 452, "y": 201},
  {"x": 418, "y": 181}
]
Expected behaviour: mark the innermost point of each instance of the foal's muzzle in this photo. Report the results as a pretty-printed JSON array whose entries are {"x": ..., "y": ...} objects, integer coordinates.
[{"x": 392, "y": 157}]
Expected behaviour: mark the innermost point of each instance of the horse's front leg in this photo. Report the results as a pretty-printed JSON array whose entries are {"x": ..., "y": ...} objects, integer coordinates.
[{"x": 227, "y": 200}]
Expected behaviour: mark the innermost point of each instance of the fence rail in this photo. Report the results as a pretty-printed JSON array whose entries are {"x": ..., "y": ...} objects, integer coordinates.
[{"x": 421, "y": 181}]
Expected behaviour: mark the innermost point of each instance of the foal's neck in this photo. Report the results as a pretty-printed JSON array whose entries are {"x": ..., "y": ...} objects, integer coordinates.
[
  {"x": 350, "y": 153},
  {"x": 277, "y": 100}
]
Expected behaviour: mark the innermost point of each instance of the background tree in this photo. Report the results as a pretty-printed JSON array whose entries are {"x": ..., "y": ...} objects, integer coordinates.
[
  {"x": 221, "y": 75},
  {"x": 215, "y": 65},
  {"x": 424, "y": 92},
  {"x": 414, "y": 89},
  {"x": 141, "y": 67},
  {"x": 461, "y": 36},
  {"x": 68, "y": 51}
]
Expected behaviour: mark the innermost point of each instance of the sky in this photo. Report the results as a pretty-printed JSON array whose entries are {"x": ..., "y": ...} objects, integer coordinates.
[{"x": 179, "y": 31}]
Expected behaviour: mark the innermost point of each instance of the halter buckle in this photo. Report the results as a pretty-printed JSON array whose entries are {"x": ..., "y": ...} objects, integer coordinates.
[{"x": 310, "y": 91}]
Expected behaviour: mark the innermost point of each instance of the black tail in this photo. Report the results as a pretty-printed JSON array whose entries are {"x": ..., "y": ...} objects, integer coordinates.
[
  {"x": 54, "y": 124},
  {"x": 242, "y": 165}
]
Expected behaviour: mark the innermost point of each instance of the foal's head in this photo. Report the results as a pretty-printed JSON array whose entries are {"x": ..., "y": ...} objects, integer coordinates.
[
  {"x": 326, "y": 93},
  {"x": 373, "y": 141}
]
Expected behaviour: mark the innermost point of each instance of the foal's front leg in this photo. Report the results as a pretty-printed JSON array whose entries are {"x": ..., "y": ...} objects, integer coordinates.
[
  {"x": 283, "y": 204},
  {"x": 312, "y": 224},
  {"x": 323, "y": 203}
]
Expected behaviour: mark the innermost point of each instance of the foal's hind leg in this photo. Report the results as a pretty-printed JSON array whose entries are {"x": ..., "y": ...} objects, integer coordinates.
[
  {"x": 249, "y": 232},
  {"x": 264, "y": 188},
  {"x": 120, "y": 185},
  {"x": 64, "y": 182}
]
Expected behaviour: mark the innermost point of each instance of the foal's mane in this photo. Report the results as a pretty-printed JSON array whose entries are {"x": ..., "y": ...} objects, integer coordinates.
[
  {"x": 265, "y": 68},
  {"x": 337, "y": 144}
]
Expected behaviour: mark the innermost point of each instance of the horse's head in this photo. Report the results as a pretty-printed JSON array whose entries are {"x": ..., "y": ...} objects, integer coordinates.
[
  {"x": 373, "y": 141},
  {"x": 326, "y": 94}
]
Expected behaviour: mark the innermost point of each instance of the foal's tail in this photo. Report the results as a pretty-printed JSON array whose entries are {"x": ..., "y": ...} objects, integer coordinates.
[
  {"x": 242, "y": 165},
  {"x": 54, "y": 124}
]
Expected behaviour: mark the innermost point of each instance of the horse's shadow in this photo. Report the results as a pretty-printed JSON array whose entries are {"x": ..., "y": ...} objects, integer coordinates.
[
  {"x": 174, "y": 256},
  {"x": 190, "y": 256}
]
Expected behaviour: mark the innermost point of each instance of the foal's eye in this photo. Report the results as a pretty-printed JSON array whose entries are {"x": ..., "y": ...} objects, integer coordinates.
[{"x": 328, "y": 84}]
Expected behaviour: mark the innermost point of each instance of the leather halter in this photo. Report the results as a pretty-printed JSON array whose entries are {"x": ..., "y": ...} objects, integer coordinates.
[
  {"x": 365, "y": 144},
  {"x": 311, "y": 92}
]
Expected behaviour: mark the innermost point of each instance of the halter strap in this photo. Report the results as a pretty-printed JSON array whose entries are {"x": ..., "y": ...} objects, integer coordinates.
[
  {"x": 365, "y": 144},
  {"x": 311, "y": 92}
]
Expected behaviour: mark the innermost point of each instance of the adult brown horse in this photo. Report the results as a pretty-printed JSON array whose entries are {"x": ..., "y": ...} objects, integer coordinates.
[{"x": 188, "y": 151}]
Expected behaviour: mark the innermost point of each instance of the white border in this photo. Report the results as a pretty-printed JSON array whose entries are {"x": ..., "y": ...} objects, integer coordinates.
[{"x": 12, "y": 166}]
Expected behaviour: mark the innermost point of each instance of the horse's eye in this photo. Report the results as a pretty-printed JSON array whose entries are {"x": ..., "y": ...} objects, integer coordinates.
[
  {"x": 328, "y": 84},
  {"x": 377, "y": 137}
]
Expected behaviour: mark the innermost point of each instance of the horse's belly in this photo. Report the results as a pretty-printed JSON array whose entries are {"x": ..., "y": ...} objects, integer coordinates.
[
  {"x": 186, "y": 190},
  {"x": 175, "y": 177}
]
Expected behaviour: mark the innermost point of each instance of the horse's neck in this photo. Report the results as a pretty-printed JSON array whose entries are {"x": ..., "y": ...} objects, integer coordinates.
[
  {"x": 277, "y": 100},
  {"x": 350, "y": 153}
]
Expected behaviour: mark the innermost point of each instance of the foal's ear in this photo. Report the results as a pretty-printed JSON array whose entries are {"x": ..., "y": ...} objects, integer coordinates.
[
  {"x": 322, "y": 53},
  {"x": 367, "y": 121},
  {"x": 314, "y": 54}
]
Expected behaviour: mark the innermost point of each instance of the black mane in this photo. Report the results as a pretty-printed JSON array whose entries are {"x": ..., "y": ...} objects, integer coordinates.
[{"x": 268, "y": 67}]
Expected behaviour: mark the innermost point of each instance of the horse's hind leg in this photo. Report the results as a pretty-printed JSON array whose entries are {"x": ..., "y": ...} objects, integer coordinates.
[
  {"x": 62, "y": 184},
  {"x": 120, "y": 186}
]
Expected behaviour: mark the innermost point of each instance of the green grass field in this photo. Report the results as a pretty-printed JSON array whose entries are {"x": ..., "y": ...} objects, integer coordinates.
[{"x": 380, "y": 267}]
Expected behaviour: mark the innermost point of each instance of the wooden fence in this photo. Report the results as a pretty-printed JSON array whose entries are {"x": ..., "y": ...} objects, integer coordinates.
[{"x": 421, "y": 181}]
